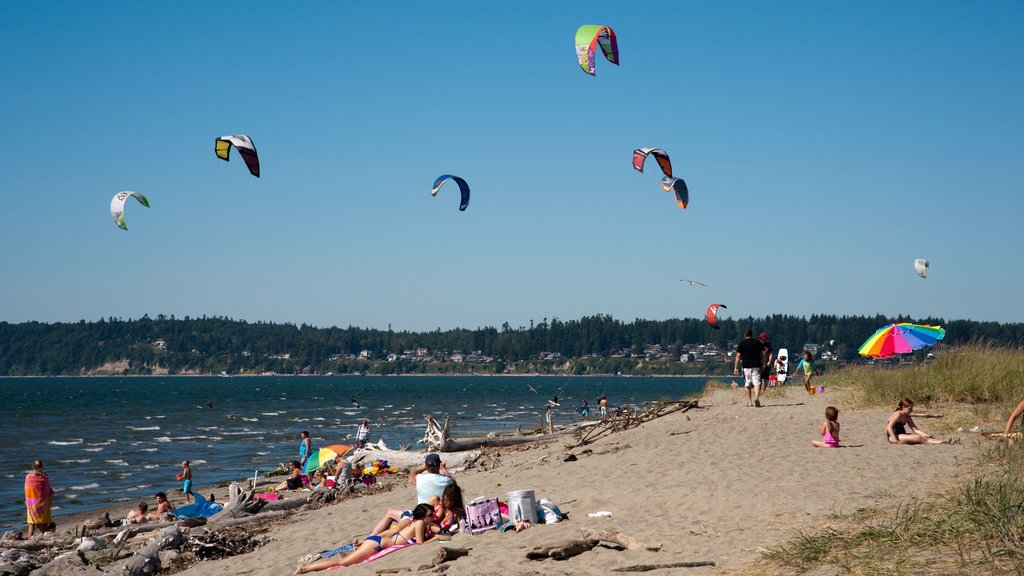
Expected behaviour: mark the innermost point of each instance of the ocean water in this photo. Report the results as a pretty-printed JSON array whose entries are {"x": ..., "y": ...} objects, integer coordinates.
[{"x": 109, "y": 440}]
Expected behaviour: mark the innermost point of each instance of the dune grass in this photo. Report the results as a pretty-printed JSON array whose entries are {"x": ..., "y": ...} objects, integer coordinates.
[{"x": 976, "y": 527}]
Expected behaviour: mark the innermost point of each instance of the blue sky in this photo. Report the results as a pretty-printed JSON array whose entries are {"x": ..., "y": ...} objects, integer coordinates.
[{"x": 825, "y": 144}]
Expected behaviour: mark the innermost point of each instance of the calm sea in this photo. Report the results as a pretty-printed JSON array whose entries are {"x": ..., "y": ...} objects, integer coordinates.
[{"x": 107, "y": 440}]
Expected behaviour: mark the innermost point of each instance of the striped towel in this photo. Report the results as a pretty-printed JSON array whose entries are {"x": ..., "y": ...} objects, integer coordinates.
[{"x": 38, "y": 498}]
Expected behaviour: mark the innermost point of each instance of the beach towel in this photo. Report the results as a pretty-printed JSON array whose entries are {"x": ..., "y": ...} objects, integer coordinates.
[{"x": 38, "y": 498}]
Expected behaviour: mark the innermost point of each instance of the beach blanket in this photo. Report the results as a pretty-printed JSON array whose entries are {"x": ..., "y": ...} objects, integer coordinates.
[
  {"x": 380, "y": 554},
  {"x": 38, "y": 498}
]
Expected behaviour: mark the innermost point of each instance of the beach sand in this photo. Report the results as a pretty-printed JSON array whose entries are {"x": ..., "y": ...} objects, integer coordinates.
[{"x": 719, "y": 484}]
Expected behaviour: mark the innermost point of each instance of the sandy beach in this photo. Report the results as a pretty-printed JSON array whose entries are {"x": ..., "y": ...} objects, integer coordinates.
[{"x": 716, "y": 484}]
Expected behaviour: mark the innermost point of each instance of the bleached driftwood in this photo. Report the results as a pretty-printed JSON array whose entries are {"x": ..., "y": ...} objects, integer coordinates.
[
  {"x": 562, "y": 551},
  {"x": 438, "y": 438},
  {"x": 624, "y": 540},
  {"x": 626, "y": 420},
  {"x": 243, "y": 503},
  {"x": 404, "y": 459},
  {"x": 146, "y": 559}
]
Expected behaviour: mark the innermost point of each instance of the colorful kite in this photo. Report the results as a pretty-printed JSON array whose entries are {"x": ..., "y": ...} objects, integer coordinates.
[
  {"x": 462, "y": 186},
  {"x": 712, "y": 315},
  {"x": 640, "y": 156},
  {"x": 677, "y": 185},
  {"x": 117, "y": 206},
  {"x": 588, "y": 38},
  {"x": 245, "y": 147}
]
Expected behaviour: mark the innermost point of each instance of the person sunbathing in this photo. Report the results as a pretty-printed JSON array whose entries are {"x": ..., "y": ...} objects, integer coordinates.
[
  {"x": 416, "y": 532},
  {"x": 448, "y": 509},
  {"x": 162, "y": 507},
  {"x": 137, "y": 515}
]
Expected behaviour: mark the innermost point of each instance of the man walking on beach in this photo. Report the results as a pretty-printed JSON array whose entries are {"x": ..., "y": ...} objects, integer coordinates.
[
  {"x": 430, "y": 479},
  {"x": 751, "y": 353}
]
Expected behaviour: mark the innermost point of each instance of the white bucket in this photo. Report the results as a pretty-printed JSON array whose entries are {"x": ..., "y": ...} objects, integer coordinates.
[{"x": 522, "y": 505}]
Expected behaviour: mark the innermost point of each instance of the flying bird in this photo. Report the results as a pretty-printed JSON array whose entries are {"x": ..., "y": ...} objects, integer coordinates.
[
  {"x": 532, "y": 389},
  {"x": 693, "y": 282}
]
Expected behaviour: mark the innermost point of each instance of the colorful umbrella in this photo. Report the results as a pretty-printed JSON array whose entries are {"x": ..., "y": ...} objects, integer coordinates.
[
  {"x": 900, "y": 339},
  {"x": 324, "y": 455}
]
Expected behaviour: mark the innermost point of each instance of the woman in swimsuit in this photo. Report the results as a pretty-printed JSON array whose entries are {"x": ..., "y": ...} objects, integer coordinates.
[
  {"x": 416, "y": 532},
  {"x": 900, "y": 421}
]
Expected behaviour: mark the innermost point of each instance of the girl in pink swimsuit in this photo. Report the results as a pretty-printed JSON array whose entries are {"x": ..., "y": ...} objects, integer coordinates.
[{"x": 829, "y": 430}]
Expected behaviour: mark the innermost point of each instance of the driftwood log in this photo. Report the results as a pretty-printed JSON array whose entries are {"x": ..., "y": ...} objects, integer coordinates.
[
  {"x": 649, "y": 567},
  {"x": 405, "y": 459},
  {"x": 562, "y": 551},
  {"x": 624, "y": 540},
  {"x": 631, "y": 419},
  {"x": 438, "y": 438},
  {"x": 146, "y": 560}
]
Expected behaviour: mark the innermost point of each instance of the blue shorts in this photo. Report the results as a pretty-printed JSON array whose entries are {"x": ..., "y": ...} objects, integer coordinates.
[{"x": 186, "y": 486}]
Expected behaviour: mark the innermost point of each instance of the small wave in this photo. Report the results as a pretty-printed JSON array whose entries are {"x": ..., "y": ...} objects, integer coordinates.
[
  {"x": 270, "y": 413},
  {"x": 250, "y": 419},
  {"x": 65, "y": 442},
  {"x": 106, "y": 443},
  {"x": 89, "y": 486},
  {"x": 151, "y": 466},
  {"x": 92, "y": 449},
  {"x": 142, "y": 428},
  {"x": 117, "y": 462},
  {"x": 162, "y": 439},
  {"x": 319, "y": 418},
  {"x": 195, "y": 462},
  {"x": 208, "y": 428},
  {"x": 82, "y": 461},
  {"x": 150, "y": 449}
]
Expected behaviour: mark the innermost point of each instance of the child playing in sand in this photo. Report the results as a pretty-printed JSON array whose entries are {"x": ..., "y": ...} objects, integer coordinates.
[
  {"x": 829, "y": 430},
  {"x": 186, "y": 480},
  {"x": 416, "y": 532}
]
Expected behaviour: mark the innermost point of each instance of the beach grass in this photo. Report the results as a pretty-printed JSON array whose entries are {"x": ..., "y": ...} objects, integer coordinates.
[{"x": 977, "y": 527}]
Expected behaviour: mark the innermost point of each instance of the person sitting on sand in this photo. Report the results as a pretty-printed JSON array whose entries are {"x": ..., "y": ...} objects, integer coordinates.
[
  {"x": 137, "y": 515},
  {"x": 829, "y": 430},
  {"x": 896, "y": 429},
  {"x": 1009, "y": 422},
  {"x": 430, "y": 479},
  {"x": 162, "y": 507},
  {"x": 294, "y": 480},
  {"x": 416, "y": 532}
]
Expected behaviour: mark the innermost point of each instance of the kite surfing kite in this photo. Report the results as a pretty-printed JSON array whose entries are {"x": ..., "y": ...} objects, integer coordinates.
[
  {"x": 921, "y": 267},
  {"x": 462, "y": 186},
  {"x": 588, "y": 38},
  {"x": 245, "y": 147},
  {"x": 670, "y": 184},
  {"x": 640, "y": 156},
  {"x": 712, "y": 315},
  {"x": 117, "y": 206}
]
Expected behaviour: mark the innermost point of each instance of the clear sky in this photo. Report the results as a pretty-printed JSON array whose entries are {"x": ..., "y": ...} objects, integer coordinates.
[{"x": 825, "y": 144}]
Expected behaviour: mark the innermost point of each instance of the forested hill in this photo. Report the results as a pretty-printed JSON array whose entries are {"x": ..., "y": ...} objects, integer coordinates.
[{"x": 595, "y": 344}]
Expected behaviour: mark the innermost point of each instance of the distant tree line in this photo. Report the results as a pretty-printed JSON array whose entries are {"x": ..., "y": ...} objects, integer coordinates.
[{"x": 593, "y": 344}]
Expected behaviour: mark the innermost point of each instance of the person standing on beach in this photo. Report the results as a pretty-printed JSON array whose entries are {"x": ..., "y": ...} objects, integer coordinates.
[
  {"x": 807, "y": 363},
  {"x": 38, "y": 499},
  {"x": 768, "y": 356},
  {"x": 602, "y": 406},
  {"x": 305, "y": 447},
  {"x": 186, "y": 480},
  {"x": 430, "y": 479},
  {"x": 751, "y": 353},
  {"x": 1009, "y": 421},
  {"x": 363, "y": 433}
]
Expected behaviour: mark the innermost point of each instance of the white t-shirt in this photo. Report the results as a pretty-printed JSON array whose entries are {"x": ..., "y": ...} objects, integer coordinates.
[{"x": 429, "y": 485}]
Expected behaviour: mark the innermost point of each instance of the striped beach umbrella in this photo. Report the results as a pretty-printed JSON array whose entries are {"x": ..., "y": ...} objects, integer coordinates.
[{"x": 900, "y": 339}]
